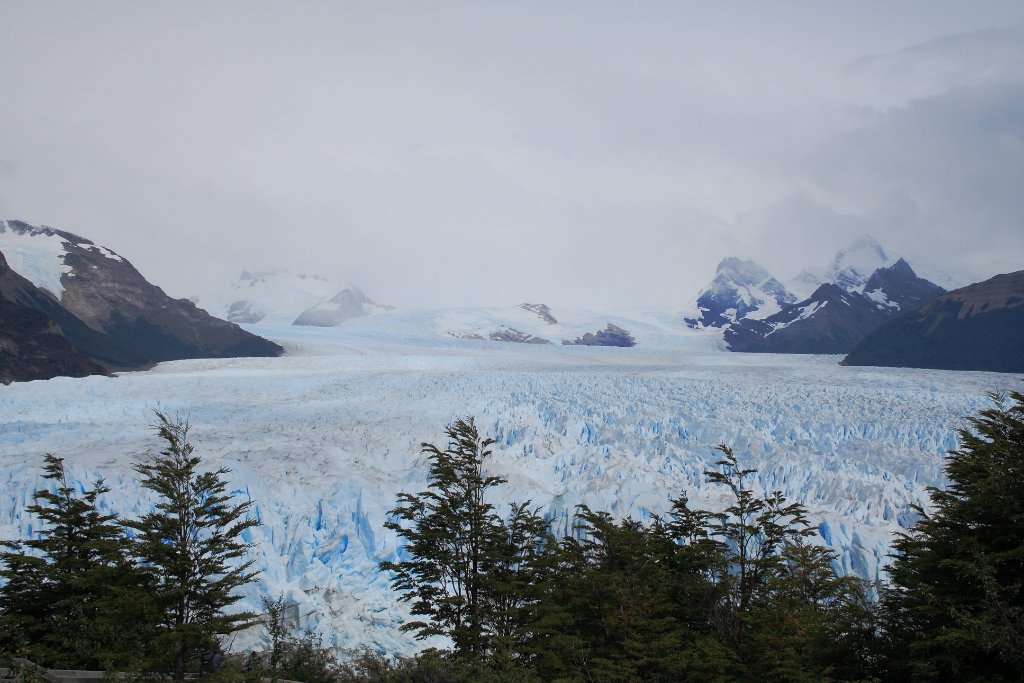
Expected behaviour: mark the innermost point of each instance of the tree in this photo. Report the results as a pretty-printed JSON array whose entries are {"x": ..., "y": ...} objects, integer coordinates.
[
  {"x": 608, "y": 610},
  {"x": 810, "y": 624},
  {"x": 956, "y": 607},
  {"x": 192, "y": 545},
  {"x": 788, "y": 616},
  {"x": 72, "y": 599},
  {"x": 755, "y": 530},
  {"x": 468, "y": 570},
  {"x": 511, "y": 584}
]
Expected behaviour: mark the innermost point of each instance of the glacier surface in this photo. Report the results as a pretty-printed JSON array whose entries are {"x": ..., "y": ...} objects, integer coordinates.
[{"x": 324, "y": 437}]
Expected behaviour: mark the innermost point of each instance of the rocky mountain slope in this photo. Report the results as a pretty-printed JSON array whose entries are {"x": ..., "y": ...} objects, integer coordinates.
[
  {"x": 834, "y": 319},
  {"x": 105, "y": 308},
  {"x": 978, "y": 327},
  {"x": 826, "y": 310},
  {"x": 32, "y": 344},
  {"x": 610, "y": 335}
]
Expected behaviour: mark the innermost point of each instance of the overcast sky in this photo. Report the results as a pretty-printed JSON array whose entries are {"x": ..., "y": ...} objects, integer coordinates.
[{"x": 600, "y": 155}]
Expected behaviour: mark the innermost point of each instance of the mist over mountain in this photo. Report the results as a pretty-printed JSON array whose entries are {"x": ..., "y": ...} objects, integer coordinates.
[{"x": 276, "y": 297}]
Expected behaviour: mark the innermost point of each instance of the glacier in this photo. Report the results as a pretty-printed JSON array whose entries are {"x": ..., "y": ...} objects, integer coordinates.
[{"x": 324, "y": 437}]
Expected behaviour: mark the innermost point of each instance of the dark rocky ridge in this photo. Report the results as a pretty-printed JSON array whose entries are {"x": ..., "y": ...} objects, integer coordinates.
[
  {"x": 833, "y": 319},
  {"x": 611, "y": 335},
  {"x": 978, "y": 327},
  {"x": 33, "y": 347},
  {"x": 510, "y": 334},
  {"x": 542, "y": 311}
]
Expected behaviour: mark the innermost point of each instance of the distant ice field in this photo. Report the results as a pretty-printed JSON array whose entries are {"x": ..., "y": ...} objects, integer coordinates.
[{"x": 325, "y": 436}]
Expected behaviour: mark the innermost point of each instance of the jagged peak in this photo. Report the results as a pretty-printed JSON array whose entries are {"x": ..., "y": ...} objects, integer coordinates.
[{"x": 25, "y": 228}]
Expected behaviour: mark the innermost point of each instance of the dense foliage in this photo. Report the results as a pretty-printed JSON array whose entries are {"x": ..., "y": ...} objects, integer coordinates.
[
  {"x": 84, "y": 594},
  {"x": 956, "y": 608},
  {"x": 696, "y": 595},
  {"x": 736, "y": 595}
]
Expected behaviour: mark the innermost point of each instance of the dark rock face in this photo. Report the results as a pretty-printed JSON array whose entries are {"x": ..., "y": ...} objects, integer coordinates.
[
  {"x": 32, "y": 347},
  {"x": 510, "y": 334},
  {"x": 901, "y": 286},
  {"x": 111, "y": 314},
  {"x": 978, "y": 327},
  {"x": 611, "y": 335},
  {"x": 833, "y": 319},
  {"x": 542, "y": 311}
]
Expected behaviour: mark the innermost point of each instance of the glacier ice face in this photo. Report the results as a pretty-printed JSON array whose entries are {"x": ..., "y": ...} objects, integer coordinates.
[{"x": 323, "y": 438}]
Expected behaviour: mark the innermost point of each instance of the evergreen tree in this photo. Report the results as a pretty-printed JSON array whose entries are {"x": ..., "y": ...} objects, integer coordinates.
[
  {"x": 72, "y": 599},
  {"x": 468, "y": 570},
  {"x": 956, "y": 608},
  {"x": 755, "y": 530},
  {"x": 193, "y": 548},
  {"x": 810, "y": 624},
  {"x": 511, "y": 585},
  {"x": 609, "y": 606}
]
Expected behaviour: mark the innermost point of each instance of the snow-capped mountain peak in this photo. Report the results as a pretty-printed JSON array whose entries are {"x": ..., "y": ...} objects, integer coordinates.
[{"x": 740, "y": 288}]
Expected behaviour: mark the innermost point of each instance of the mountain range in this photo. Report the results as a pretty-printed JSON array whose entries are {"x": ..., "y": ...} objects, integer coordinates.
[
  {"x": 861, "y": 289},
  {"x": 978, "y": 327},
  {"x": 72, "y": 307}
]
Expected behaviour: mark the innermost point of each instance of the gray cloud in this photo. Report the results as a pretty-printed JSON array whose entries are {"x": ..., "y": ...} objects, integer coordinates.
[{"x": 590, "y": 154}]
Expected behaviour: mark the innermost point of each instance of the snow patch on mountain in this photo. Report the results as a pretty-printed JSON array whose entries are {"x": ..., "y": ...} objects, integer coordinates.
[
  {"x": 879, "y": 297},
  {"x": 805, "y": 312},
  {"x": 35, "y": 254}
]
